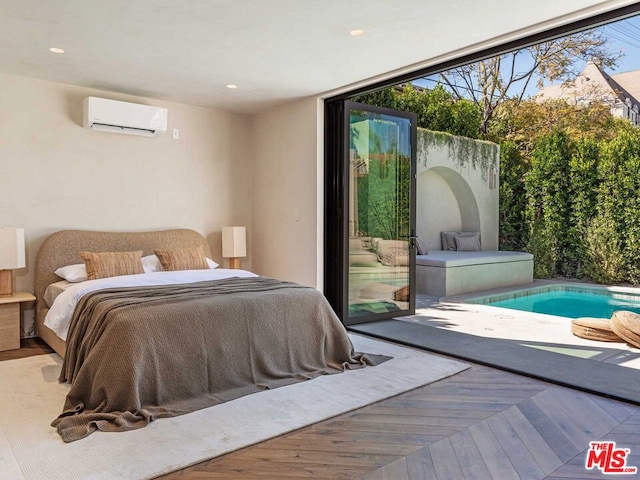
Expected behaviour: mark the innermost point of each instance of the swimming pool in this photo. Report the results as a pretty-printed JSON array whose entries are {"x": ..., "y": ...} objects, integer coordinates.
[{"x": 565, "y": 301}]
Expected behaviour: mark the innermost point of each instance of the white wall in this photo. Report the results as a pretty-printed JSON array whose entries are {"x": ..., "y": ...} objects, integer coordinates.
[
  {"x": 286, "y": 180},
  {"x": 436, "y": 209},
  {"x": 56, "y": 175},
  {"x": 472, "y": 187}
]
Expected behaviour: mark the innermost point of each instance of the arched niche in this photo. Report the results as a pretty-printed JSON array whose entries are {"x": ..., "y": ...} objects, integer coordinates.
[{"x": 445, "y": 201}]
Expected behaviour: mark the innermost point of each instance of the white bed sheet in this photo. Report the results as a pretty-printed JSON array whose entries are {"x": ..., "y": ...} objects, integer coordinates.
[
  {"x": 55, "y": 289},
  {"x": 59, "y": 316}
]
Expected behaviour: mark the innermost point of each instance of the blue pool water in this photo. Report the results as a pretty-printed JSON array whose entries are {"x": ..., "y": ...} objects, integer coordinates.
[{"x": 572, "y": 303}]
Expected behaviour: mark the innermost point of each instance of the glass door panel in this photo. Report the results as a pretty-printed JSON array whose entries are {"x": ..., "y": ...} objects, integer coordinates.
[{"x": 381, "y": 220}]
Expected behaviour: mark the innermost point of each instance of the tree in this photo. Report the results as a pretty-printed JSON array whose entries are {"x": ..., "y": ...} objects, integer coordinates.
[
  {"x": 437, "y": 109},
  {"x": 489, "y": 83},
  {"x": 380, "y": 98},
  {"x": 525, "y": 121}
]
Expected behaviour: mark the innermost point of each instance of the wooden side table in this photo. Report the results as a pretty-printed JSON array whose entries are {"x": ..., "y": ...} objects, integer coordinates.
[{"x": 10, "y": 319}]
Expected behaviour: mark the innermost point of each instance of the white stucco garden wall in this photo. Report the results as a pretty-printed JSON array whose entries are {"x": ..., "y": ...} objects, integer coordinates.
[{"x": 457, "y": 187}]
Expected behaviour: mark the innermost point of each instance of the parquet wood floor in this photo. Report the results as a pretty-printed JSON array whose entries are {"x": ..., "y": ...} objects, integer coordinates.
[{"x": 480, "y": 424}]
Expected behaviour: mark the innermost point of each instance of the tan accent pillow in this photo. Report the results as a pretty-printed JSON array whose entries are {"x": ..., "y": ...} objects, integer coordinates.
[
  {"x": 191, "y": 258},
  {"x": 111, "y": 264}
]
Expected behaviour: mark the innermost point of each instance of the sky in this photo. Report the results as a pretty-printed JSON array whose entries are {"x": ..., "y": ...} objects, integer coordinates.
[{"x": 624, "y": 36}]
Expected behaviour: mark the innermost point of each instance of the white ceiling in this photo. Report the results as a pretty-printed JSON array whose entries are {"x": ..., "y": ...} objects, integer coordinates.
[{"x": 274, "y": 50}]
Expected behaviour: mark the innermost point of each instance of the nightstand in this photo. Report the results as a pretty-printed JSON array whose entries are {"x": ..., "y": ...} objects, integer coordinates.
[{"x": 10, "y": 319}]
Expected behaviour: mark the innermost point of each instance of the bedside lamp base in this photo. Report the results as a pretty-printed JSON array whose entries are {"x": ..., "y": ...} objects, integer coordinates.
[
  {"x": 6, "y": 283},
  {"x": 234, "y": 262}
]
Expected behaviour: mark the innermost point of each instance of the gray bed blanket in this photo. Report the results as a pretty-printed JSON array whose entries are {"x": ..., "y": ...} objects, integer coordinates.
[{"x": 141, "y": 353}]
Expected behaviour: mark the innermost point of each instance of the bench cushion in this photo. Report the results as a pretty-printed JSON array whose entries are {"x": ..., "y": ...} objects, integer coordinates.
[{"x": 446, "y": 259}]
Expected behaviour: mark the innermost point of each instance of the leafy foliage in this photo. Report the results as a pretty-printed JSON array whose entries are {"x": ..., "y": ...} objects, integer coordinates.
[
  {"x": 579, "y": 167},
  {"x": 539, "y": 244},
  {"x": 380, "y": 98},
  {"x": 547, "y": 189},
  {"x": 583, "y": 181},
  {"x": 513, "y": 234},
  {"x": 489, "y": 83},
  {"x": 569, "y": 174},
  {"x": 583, "y": 199},
  {"x": 436, "y": 109},
  {"x": 465, "y": 151},
  {"x": 604, "y": 259},
  {"x": 524, "y": 122},
  {"x": 619, "y": 195}
]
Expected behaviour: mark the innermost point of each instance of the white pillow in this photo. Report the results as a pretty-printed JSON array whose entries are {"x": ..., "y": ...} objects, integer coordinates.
[
  {"x": 73, "y": 273},
  {"x": 211, "y": 264},
  {"x": 78, "y": 272},
  {"x": 151, "y": 263}
]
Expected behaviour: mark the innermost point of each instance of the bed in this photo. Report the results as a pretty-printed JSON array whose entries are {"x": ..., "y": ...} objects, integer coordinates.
[
  {"x": 137, "y": 353},
  {"x": 61, "y": 248}
]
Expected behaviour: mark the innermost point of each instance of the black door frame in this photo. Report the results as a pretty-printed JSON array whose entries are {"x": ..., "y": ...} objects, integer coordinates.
[
  {"x": 336, "y": 207},
  {"x": 556, "y": 32},
  {"x": 335, "y": 247}
]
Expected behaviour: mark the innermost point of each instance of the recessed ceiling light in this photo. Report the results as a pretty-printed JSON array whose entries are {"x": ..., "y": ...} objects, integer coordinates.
[
  {"x": 56, "y": 50},
  {"x": 231, "y": 85},
  {"x": 356, "y": 33}
]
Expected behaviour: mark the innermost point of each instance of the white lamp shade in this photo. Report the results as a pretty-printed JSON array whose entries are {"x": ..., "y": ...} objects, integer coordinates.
[
  {"x": 12, "y": 248},
  {"x": 234, "y": 242}
]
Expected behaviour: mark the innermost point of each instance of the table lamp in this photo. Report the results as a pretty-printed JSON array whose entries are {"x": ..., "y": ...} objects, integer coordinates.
[
  {"x": 11, "y": 257},
  {"x": 234, "y": 244}
]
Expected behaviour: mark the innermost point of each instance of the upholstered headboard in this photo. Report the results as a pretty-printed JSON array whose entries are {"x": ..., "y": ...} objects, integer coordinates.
[{"x": 61, "y": 248}]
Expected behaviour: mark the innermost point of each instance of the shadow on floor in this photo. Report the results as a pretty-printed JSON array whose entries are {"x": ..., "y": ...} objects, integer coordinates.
[
  {"x": 534, "y": 359},
  {"x": 599, "y": 353}
]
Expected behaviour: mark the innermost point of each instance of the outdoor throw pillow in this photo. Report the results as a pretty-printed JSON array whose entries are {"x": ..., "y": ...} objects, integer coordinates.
[
  {"x": 395, "y": 257},
  {"x": 468, "y": 243},
  {"x": 422, "y": 248},
  {"x": 448, "y": 240}
]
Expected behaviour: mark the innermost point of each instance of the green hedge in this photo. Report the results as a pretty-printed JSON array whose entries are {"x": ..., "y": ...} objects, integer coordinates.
[
  {"x": 581, "y": 204},
  {"x": 513, "y": 232}
]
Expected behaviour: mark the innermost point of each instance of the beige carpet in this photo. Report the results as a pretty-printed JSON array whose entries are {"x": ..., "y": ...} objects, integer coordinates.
[{"x": 31, "y": 397}]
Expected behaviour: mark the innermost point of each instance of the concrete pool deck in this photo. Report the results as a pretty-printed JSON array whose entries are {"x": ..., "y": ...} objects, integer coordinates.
[
  {"x": 545, "y": 332},
  {"x": 536, "y": 345}
]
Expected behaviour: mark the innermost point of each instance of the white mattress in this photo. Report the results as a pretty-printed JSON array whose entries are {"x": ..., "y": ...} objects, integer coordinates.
[{"x": 59, "y": 315}]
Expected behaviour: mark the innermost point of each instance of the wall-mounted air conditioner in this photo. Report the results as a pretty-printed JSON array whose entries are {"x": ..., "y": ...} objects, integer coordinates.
[{"x": 124, "y": 117}]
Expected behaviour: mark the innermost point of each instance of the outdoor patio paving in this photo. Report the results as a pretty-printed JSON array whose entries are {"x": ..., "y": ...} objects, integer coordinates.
[{"x": 545, "y": 332}]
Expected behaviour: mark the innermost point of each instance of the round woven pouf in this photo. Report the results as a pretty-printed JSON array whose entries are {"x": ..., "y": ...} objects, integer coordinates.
[
  {"x": 627, "y": 326},
  {"x": 599, "y": 329}
]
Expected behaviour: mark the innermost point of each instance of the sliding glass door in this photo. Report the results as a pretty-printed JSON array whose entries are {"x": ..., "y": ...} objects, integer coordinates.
[{"x": 370, "y": 212}]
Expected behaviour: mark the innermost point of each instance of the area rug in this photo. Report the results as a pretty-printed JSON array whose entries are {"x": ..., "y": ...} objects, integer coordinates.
[{"x": 31, "y": 397}]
